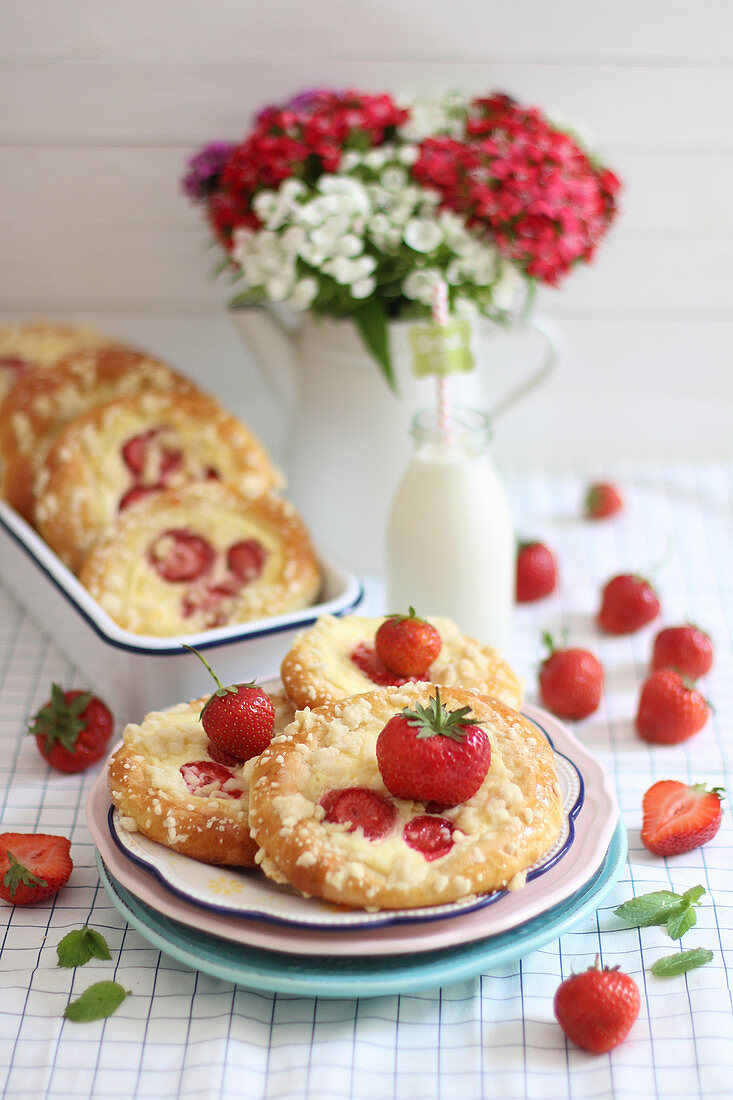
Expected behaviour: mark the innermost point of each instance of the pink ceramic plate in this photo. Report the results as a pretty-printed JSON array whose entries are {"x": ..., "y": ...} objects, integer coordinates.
[{"x": 594, "y": 825}]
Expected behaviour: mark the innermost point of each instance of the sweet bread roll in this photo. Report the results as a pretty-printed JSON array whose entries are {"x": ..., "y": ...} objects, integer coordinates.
[
  {"x": 322, "y": 771},
  {"x": 127, "y": 449},
  {"x": 42, "y": 403},
  {"x": 201, "y": 556},
  {"x": 335, "y": 658},
  {"x": 166, "y": 785},
  {"x": 26, "y": 347}
]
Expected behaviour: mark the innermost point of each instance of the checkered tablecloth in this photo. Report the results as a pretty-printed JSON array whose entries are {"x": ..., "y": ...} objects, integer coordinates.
[{"x": 183, "y": 1033}]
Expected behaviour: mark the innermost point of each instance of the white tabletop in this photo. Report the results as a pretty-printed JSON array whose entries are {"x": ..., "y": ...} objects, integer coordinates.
[{"x": 184, "y": 1033}]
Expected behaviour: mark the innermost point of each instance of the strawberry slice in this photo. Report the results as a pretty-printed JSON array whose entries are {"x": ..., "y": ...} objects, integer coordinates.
[
  {"x": 137, "y": 492},
  {"x": 246, "y": 559},
  {"x": 179, "y": 555},
  {"x": 135, "y": 450},
  {"x": 33, "y": 866},
  {"x": 431, "y": 836},
  {"x": 14, "y": 365},
  {"x": 366, "y": 660},
  {"x": 678, "y": 818},
  {"x": 207, "y": 778},
  {"x": 142, "y": 454},
  {"x": 360, "y": 808}
]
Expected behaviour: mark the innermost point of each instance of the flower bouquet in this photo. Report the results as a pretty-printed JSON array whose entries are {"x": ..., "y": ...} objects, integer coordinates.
[{"x": 351, "y": 204}]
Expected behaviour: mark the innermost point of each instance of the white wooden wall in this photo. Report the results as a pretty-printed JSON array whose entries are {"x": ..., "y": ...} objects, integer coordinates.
[{"x": 101, "y": 101}]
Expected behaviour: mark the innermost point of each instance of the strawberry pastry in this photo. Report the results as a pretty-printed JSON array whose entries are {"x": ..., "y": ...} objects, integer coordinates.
[
  {"x": 26, "y": 347},
  {"x": 43, "y": 402},
  {"x": 117, "y": 454},
  {"x": 407, "y": 796},
  {"x": 202, "y": 556},
  {"x": 339, "y": 657},
  {"x": 170, "y": 782}
]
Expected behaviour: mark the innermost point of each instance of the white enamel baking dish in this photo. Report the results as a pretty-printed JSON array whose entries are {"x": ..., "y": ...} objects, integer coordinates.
[{"x": 136, "y": 673}]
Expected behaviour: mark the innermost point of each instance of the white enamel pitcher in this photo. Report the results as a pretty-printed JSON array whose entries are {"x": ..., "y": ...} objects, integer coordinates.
[{"x": 348, "y": 433}]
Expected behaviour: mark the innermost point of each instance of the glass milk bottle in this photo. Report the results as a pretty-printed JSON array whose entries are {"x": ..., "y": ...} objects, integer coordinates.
[{"x": 450, "y": 535}]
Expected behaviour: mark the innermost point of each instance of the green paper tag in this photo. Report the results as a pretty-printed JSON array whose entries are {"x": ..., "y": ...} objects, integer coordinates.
[{"x": 441, "y": 349}]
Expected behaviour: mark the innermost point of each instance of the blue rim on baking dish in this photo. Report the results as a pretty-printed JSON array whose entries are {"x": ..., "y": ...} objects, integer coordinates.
[
  {"x": 323, "y": 976},
  {"x": 68, "y": 586},
  {"x": 269, "y": 903}
]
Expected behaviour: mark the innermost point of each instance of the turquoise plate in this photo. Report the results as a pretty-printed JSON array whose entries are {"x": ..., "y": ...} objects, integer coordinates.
[{"x": 329, "y": 976}]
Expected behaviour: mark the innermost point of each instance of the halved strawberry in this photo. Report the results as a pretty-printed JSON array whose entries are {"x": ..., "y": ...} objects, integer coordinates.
[
  {"x": 180, "y": 555},
  {"x": 366, "y": 660},
  {"x": 246, "y": 559},
  {"x": 431, "y": 836},
  {"x": 678, "y": 817},
  {"x": 206, "y": 778},
  {"x": 360, "y": 808},
  {"x": 33, "y": 866}
]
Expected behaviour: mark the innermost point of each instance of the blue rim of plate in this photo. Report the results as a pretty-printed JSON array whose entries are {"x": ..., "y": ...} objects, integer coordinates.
[
  {"x": 335, "y": 976},
  {"x": 384, "y": 920}
]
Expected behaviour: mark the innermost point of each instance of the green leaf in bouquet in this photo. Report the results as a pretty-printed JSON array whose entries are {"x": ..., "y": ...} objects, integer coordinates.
[{"x": 371, "y": 321}]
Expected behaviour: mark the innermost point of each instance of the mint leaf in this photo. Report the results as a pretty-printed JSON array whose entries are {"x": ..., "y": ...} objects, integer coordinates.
[
  {"x": 672, "y": 965},
  {"x": 647, "y": 909},
  {"x": 694, "y": 894},
  {"x": 681, "y": 921},
  {"x": 96, "y": 1002},
  {"x": 81, "y": 945}
]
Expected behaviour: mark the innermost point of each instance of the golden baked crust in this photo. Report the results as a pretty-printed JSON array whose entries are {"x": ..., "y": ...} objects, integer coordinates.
[
  {"x": 151, "y": 795},
  {"x": 86, "y": 477},
  {"x": 512, "y": 820},
  {"x": 122, "y": 573},
  {"x": 28, "y": 346},
  {"x": 318, "y": 668},
  {"x": 41, "y": 404}
]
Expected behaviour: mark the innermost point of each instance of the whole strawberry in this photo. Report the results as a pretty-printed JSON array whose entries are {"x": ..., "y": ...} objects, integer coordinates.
[
  {"x": 670, "y": 709},
  {"x": 536, "y": 571},
  {"x": 431, "y": 754},
  {"x": 687, "y": 649},
  {"x": 678, "y": 817},
  {"x": 33, "y": 866},
  {"x": 72, "y": 729},
  {"x": 407, "y": 645},
  {"x": 239, "y": 720},
  {"x": 628, "y": 602},
  {"x": 597, "y": 1008},
  {"x": 602, "y": 499},
  {"x": 570, "y": 681}
]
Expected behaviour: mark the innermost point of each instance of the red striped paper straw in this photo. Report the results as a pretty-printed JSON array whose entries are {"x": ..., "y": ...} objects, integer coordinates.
[{"x": 440, "y": 317}]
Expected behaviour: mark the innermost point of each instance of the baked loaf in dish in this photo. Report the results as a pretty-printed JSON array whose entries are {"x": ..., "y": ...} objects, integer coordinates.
[
  {"x": 42, "y": 403},
  {"x": 416, "y": 854},
  {"x": 116, "y": 454},
  {"x": 26, "y": 347},
  {"x": 166, "y": 785},
  {"x": 335, "y": 658},
  {"x": 197, "y": 557}
]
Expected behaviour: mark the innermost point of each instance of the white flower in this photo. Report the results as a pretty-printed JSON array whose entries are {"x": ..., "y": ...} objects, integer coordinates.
[
  {"x": 347, "y": 271},
  {"x": 312, "y": 254},
  {"x": 393, "y": 179},
  {"x": 350, "y": 245},
  {"x": 350, "y": 160},
  {"x": 505, "y": 293},
  {"x": 408, "y": 154},
  {"x": 362, "y": 288},
  {"x": 420, "y": 284},
  {"x": 280, "y": 286},
  {"x": 422, "y": 235},
  {"x": 292, "y": 239},
  {"x": 303, "y": 294},
  {"x": 376, "y": 158}
]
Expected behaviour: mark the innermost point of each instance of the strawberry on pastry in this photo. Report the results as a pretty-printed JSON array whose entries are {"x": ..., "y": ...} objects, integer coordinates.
[
  {"x": 72, "y": 729},
  {"x": 169, "y": 781},
  {"x": 405, "y": 796},
  {"x": 628, "y": 602},
  {"x": 407, "y": 645},
  {"x": 597, "y": 1008},
  {"x": 239, "y": 720},
  {"x": 338, "y": 657},
  {"x": 670, "y": 709},
  {"x": 678, "y": 818},
  {"x": 536, "y": 572},
  {"x": 33, "y": 866},
  {"x": 685, "y": 648}
]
